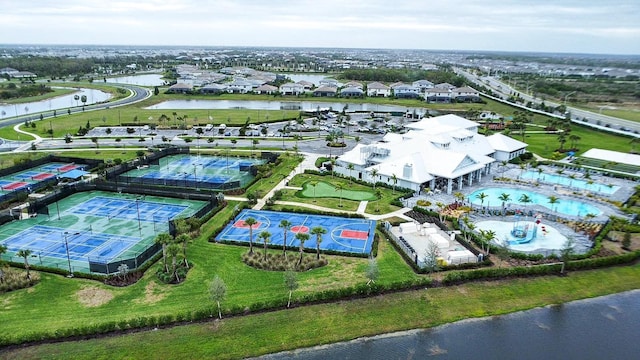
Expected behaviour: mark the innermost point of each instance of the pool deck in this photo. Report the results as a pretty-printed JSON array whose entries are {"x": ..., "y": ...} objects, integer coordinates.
[{"x": 513, "y": 172}]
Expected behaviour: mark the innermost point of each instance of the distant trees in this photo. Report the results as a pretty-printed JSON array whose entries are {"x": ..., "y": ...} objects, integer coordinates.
[{"x": 404, "y": 75}]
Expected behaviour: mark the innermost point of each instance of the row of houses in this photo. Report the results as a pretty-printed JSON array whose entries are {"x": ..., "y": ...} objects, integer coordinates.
[
  {"x": 440, "y": 93},
  {"x": 17, "y": 74},
  {"x": 444, "y": 153}
]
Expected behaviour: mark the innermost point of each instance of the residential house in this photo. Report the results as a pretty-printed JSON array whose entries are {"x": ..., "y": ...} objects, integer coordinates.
[
  {"x": 213, "y": 89},
  {"x": 423, "y": 85},
  {"x": 266, "y": 89},
  {"x": 437, "y": 95},
  {"x": 354, "y": 84},
  {"x": 329, "y": 82},
  {"x": 376, "y": 89},
  {"x": 291, "y": 89},
  {"x": 351, "y": 92},
  {"x": 465, "y": 94},
  {"x": 306, "y": 84},
  {"x": 444, "y": 86},
  {"x": 325, "y": 91},
  {"x": 180, "y": 88},
  {"x": 239, "y": 86},
  {"x": 406, "y": 92}
]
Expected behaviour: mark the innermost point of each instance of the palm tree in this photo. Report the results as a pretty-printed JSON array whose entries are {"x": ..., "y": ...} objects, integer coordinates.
[
  {"x": 217, "y": 292},
  {"x": 266, "y": 239},
  {"x": 504, "y": 197},
  {"x": 286, "y": 226},
  {"x": 350, "y": 167},
  {"x": 164, "y": 239},
  {"x": 318, "y": 231},
  {"x": 184, "y": 240},
  {"x": 302, "y": 237},
  {"x": 173, "y": 250},
  {"x": 339, "y": 188},
  {"x": 25, "y": 253},
  {"x": 487, "y": 236},
  {"x": 458, "y": 196},
  {"x": 440, "y": 206},
  {"x": 525, "y": 199},
  {"x": 553, "y": 200},
  {"x": 3, "y": 249},
  {"x": 374, "y": 175},
  {"x": 482, "y": 196},
  {"x": 394, "y": 178},
  {"x": 379, "y": 197},
  {"x": 250, "y": 222}
]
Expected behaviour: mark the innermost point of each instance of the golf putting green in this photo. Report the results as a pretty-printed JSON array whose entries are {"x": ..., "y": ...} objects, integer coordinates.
[{"x": 325, "y": 190}]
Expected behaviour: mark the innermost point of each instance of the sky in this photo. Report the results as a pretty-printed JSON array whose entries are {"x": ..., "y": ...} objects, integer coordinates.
[{"x": 567, "y": 26}]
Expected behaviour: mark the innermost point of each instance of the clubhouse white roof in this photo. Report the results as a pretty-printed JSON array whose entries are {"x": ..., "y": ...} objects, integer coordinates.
[
  {"x": 443, "y": 147},
  {"x": 501, "y": 142},
  {"x": 608, "y": 155}
]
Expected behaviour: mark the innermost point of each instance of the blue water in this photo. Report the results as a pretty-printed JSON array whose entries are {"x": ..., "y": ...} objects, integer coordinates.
[
  {"x": 571, "y": 183},
  {"x": 600, "y": 328},
  {"x": 564, "y": 205}
]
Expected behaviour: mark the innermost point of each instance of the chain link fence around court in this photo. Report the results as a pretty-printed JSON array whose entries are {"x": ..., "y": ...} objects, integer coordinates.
[{"x": 101, "y": 261}]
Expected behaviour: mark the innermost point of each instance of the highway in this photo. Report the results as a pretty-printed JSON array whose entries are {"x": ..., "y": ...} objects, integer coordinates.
[{"x": 604, "y": 122}]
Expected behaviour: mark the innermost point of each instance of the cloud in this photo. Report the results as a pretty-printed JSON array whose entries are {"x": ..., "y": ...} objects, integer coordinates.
[{"x": 497, "y": 24}]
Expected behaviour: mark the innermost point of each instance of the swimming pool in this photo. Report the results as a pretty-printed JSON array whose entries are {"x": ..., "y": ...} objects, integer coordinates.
[
  {"x": 569, "y": 182},
  {"x": 547, "y": 236},
  {"x": 564, "y": 205}
]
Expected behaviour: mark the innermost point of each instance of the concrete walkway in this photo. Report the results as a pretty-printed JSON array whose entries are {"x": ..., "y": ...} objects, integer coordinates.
[
  {"x": 309, "y": 162},
  {"x": 26, "y": 146}
]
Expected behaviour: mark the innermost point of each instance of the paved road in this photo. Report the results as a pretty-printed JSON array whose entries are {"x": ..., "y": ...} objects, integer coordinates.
[
  {"x": 138, "y": 94},
  {"x": 629, "y": 127}
]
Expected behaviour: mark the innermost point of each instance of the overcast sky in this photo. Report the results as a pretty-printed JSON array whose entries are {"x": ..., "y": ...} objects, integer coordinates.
[{"x": 583, "y": 26}]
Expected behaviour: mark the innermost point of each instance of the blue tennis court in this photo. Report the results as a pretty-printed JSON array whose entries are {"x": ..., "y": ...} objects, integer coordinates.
[
  {"x": 49, "y": 241},
  {"x": 129, "y": 209},
  {"x": 343, "y": 234}
]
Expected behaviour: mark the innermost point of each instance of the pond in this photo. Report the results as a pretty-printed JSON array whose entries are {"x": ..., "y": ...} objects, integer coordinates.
[
  {"x": 142, "y": 80},
  {"x": 59, "y": 102},
  {"x": 279, "y": 105}
]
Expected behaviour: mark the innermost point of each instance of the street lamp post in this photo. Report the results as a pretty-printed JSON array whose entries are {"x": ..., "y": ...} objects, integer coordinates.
[
  {"x": 66, "y": 245},
  {"x": 566, "y": 96}
]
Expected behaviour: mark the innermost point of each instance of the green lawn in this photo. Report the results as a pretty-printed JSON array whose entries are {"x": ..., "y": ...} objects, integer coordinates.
[
  {"x": 260, "y": 334},
  {"x": 321, "y": 189},
  {"x": 55, "y": 93},
  {"x": 54, "y": 303}
]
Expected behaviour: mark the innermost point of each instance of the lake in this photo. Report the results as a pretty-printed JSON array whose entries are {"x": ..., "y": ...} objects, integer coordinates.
[
  {"x": 278, "y": 105},
  {"x": 142, "y": 80},
  {"x": 56, "y": 103},
  {"x": 600, "y": 328}
]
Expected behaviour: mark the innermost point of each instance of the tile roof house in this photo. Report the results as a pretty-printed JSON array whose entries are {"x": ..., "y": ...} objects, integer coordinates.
[
  {"x": 376, "y": 89},
  {"x": 423, "y": 85},
  {"x": 266, "y": 89},
  {"x": 291, "y": 89},
  {"x": 239, "y": 86},
  {"x": 307, "y": 85},
  {"x": 465, "y": 94},
  {"x": 444, "y": 152},
  {"x": 213, "y": 89},
  {"x": 325, "y": 91},
  {"x": 406, "y": 92},
  {"x": 351, "y": 92},
  {"x": 437, "y": 95},
  {"x": 354, "y": 84},
  {"x": 180, "y": 88}
]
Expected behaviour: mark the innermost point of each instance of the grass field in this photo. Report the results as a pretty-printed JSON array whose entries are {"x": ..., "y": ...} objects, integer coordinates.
[
  {"x": 259, "y": 334},
  {"x": 322, "y": 189},
  {"x": 55, "y": 93}
]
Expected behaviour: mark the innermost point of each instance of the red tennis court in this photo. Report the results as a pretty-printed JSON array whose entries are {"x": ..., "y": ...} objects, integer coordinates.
[
  {"x": 67, "y": 167},
  {"x": 15, "y": 185},
  {"x": 43, "y": 176}
]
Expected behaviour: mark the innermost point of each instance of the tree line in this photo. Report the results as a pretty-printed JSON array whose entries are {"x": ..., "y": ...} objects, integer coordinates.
[
  {"x": 12, "y": 91},
  {"x": 403, "y": 75}
]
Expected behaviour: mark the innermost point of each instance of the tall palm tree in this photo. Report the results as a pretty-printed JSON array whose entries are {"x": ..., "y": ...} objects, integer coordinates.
[
  {"x": 504, "y": 197},
  {"x": 25, "y": 253},
  {"x": 285, "y": 225},
  {"x": 525, "y": 199},
  {"x": 487, "y": 236},
  {"x": 3, "y": 249},
  {"x": 250, "y": 222},
  {"x": 482, "y": 196},
  {"x": 318, "y": 231},
  {"x": 394, "y": 179},
  {"x": 553, "y": 200},
  {"x": 173, "y": 250},
  {"x": 183, "y": 239},
  {"x": 164, "y": 239},
  {"x": 314, "y": 184},
  {"x": 339, "y": 187},
  {"x": 350, "y": 167},
  {"x": 302, "y": 237},
  {"x": 266, "y": 239},
  {"x": 374, "y": 175}
]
